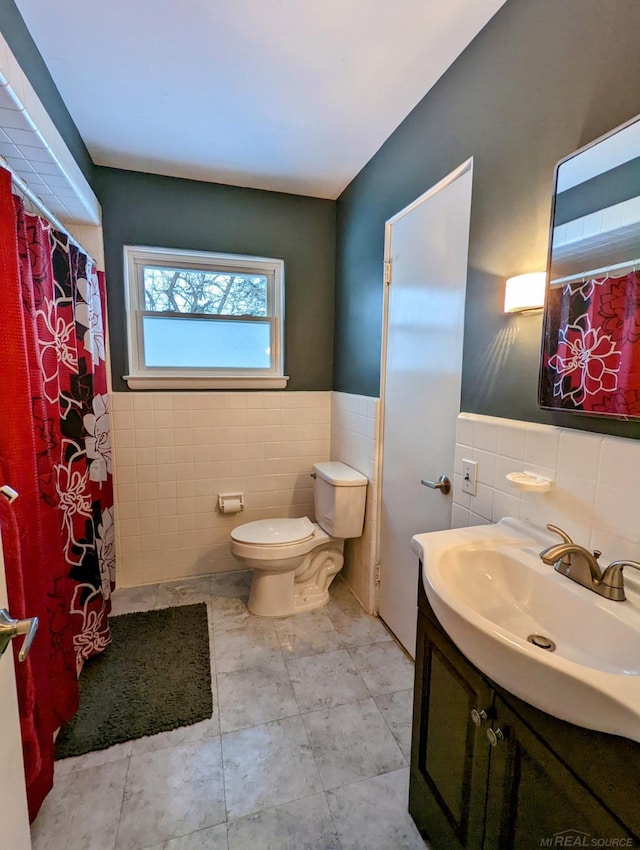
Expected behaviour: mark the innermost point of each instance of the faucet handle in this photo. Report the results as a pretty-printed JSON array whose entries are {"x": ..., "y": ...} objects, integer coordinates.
[
  {"x": 612, "y": 584},
  {"x": 625, "y": 563},
  {"x": 557, "y": 530}
]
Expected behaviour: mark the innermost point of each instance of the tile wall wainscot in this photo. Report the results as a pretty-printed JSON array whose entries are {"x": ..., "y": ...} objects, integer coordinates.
[
  {"x": 174, "y": 452},
  {"x": 596, "y": 491},
  {"x": 354, "y": 441}
]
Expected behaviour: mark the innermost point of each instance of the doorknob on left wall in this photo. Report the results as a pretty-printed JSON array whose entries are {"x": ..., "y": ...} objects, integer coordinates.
[
  {"x": 10, "y": 628},
  {"x": 443, "y": 484}
]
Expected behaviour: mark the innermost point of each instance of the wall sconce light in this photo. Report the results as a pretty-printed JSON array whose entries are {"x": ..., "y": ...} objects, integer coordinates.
[{"x": 525, "y": 292}]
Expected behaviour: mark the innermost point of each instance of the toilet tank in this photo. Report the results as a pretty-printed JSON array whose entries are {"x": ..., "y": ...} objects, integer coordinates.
[{"x": 340, "y": 497}]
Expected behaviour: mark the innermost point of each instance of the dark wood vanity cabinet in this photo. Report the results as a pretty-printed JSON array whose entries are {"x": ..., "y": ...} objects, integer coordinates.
[
  {"x": 532, "y": 796},
  {"x": 449, "y": 754},
  {"x": 539, "y": 778}
]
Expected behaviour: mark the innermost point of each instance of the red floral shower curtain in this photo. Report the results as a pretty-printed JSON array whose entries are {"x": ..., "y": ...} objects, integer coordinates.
[
  {"x": 591, "y": 356},
  {"x": 55, "y": 450}
]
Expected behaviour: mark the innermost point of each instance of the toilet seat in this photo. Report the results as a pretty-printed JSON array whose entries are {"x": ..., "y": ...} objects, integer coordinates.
[
  {"x": 268, "y": 532},
  {"x": 276, "y": 539}
]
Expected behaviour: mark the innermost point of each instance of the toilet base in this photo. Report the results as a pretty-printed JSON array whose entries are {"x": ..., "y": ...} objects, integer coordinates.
[{"x": 281, "y": 594}]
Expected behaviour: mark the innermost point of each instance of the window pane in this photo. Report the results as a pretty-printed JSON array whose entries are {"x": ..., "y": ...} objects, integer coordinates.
[
  {"x": 198, "y": 291},
  {"x": 198, "y": 343}
]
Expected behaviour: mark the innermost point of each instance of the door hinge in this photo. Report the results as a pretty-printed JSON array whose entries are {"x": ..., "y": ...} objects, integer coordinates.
[
  {"x": 387, "y": 272},
  {"x": 377, "y": 573}
]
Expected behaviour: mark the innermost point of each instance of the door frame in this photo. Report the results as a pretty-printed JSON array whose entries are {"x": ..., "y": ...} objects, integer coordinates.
[{"x": 467, "y": 165}]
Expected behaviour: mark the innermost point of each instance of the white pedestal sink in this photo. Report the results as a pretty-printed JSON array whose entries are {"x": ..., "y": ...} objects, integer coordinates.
[{"x": 490, "y": 591}]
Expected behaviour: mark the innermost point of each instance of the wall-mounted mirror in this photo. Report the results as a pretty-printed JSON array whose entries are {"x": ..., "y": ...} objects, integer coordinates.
[{"x": 591, "y": 339}]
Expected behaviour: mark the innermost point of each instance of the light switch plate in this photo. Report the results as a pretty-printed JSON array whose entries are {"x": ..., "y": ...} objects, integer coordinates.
[{"x": 469, "y": 476}]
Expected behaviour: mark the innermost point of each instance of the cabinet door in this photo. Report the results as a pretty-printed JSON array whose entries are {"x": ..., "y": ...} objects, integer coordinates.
[
  {"x": 450, "y": 755},
  {"x": 535, "y": 801}
]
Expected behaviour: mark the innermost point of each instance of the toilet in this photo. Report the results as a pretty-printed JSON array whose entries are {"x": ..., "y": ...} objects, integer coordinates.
[{"x": 295, "y": 560}]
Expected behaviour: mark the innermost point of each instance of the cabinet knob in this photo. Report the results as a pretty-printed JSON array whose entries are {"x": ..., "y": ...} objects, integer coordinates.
[
  {"x": 495, "y": 736},
  {"x": 478, "y": 717}
]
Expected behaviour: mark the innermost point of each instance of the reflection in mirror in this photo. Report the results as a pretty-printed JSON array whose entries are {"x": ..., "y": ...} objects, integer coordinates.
[{"x": 591, "y": 343}]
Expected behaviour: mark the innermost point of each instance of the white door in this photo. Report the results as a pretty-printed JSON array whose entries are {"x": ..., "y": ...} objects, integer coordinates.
[
  {"x": 14, "y": 820},
  {"x": 426, "y": 245}
]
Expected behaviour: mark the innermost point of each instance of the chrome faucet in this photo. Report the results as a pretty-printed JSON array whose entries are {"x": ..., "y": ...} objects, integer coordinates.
[{"x": 580, "y": 565}]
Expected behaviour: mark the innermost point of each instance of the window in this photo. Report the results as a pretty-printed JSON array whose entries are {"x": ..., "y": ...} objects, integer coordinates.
[{"x": 203, "y": 321}]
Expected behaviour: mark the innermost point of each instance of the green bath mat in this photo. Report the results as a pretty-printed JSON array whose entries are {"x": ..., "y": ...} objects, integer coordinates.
[{"x": 154, "y": 676}]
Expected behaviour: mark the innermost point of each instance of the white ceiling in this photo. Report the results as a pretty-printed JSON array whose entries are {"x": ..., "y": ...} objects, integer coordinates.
[{"x": 288, "y": 95}]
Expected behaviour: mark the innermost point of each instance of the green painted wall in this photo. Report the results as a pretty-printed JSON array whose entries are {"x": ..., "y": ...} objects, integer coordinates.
[
  {"x": 542, "y": 79},
  {"x": 23, "y": 48},
  {"x": 146, "y": 209}
]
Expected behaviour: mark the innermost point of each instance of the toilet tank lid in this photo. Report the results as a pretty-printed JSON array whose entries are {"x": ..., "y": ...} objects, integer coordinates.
[
  {"x": 274, "y": 531},
  {"x": 339, "y": 474}
]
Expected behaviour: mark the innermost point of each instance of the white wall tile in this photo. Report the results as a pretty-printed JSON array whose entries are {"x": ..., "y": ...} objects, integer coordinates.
[
  {"x": 541, "y": 446},
  {"x": 142, "y": 401},
  {"x": 536, "y": 508},
  {"x": 511, "y": 439},
  {"x": 482, "y": 503},
  {"x": 486, "y": 435},
  {"x": 161, "y": 401},
  {"x": 462, "y": 452},
  {"x": 486, "y": 469},
  {"x": 616, "y": 512},
  {"x": 459, "y": 517},
  {"x": 174, "y": 452},
  {"x": 579, "y": 453},
  {"x": 577, "y": 530},
  {"x": 504, "y": 504},
  {"x": 354, "y": 441},
  {"x": 123, "y": 419},
  {"x": 605, "y": 542},
  {"x": 596, "y": 481},
  {"x": 477, "y": 519},
  {"x": 573, "y": 497},
  {"x": 620, "y": 464},
  {"x": 465, "y": 428}
]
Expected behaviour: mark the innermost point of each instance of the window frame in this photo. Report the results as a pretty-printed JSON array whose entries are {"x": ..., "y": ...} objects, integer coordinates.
[{"x": 140, "y": 376}]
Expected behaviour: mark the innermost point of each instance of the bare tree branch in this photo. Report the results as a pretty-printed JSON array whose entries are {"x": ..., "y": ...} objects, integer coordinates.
[{"x": 199, "y": 291}]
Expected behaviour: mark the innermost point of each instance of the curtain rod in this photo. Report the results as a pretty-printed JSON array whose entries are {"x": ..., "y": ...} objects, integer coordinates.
[
  {"x": 595, "y": 272},
  {"x": 22, "y": 187}
]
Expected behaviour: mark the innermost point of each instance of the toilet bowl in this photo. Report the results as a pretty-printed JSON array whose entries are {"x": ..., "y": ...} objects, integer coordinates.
[{"x": 295, "y": 560}]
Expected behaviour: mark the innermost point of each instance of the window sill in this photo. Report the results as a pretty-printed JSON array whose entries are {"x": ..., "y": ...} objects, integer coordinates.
[{"x": 233, "y": 382}]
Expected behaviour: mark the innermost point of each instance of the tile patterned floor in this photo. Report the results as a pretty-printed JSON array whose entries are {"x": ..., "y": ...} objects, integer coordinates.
[{"x": 307, "y": 748}]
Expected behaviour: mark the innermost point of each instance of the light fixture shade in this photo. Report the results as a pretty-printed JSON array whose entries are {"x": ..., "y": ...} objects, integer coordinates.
[{"x": 524, "y": 292}]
